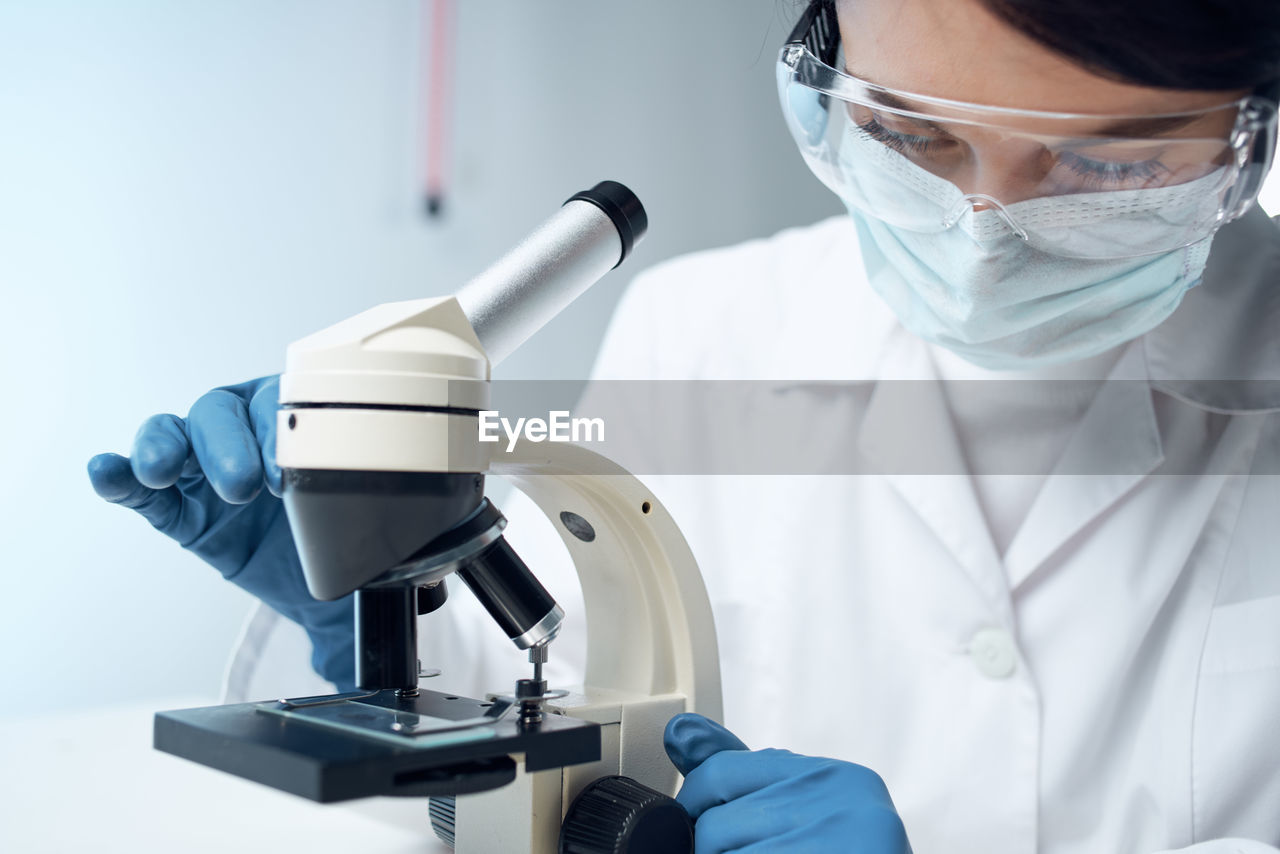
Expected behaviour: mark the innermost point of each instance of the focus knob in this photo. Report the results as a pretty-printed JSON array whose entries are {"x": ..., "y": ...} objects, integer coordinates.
[
  {"x": 616, "y": 814},
  {"x": 443, "y": 810}
]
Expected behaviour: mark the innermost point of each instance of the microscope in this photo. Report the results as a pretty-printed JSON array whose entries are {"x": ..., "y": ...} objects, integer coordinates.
[{"x": 384, "y": 486}]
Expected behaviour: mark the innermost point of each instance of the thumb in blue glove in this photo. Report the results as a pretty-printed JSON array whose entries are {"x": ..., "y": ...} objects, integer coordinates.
[
  {"x": 210, "y": 481},
  {"x": 777, "y": 801}
]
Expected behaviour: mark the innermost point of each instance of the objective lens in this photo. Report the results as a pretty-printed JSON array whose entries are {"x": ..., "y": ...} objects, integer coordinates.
[{"x": 512, "y": 595}]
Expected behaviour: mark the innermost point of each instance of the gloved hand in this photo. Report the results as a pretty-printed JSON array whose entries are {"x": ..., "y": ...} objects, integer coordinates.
[
  {"x": 201, "y": 481},
  {"x": 777, "y": 801}
]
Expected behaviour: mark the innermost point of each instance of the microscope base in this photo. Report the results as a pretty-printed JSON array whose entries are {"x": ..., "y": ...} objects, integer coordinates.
[{"x": 330, "y": 760}]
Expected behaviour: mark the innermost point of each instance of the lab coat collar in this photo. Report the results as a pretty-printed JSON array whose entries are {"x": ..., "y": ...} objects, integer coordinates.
[
  {"x": 907, "y": 435},
  {"x": 1114, "y": 447},
  {"x": 1220, "y": 350}
]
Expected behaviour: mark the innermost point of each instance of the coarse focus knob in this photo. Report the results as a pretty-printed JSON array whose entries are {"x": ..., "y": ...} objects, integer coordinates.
[
  {"x": 443, "y": 810},
  {"x": 616, "y": 814}
]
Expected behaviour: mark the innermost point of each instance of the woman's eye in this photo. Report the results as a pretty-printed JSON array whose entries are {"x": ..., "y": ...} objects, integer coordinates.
[
  {"x": 1109, "y": 174},
  {"x": 871, "y": 125},
  {"x": 922, "y": 141}
]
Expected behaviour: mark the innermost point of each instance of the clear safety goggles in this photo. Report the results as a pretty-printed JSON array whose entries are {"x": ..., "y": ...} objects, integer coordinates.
[{"x": 1076, "y": 185}]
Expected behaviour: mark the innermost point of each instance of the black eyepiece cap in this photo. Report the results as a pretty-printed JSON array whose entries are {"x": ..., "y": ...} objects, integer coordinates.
[{"x": 623, "y": 208}]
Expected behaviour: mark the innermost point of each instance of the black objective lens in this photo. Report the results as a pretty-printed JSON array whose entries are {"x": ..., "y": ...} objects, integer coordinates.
[
  {"x": 387, "y": 638},
  {"x": 512, "y": 595}
]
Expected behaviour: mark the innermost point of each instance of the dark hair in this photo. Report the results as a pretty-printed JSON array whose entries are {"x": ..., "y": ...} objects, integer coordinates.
[{"x": 1175, "y": 44}]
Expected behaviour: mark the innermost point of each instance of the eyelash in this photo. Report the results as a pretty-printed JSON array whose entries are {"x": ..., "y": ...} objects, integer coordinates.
[
  {"x": 897, "y": 141},
  {"x": 1100, "y": 173},
  {"x": 1104, "y": 172}
]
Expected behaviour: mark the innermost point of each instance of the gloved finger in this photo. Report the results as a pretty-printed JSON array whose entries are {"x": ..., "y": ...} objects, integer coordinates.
[
  {"x": 732, "y": 774},
  {"x": 741, "y": 823},
  {"x": 690, "y": 739},
  {"x": 807, "y": 838},
  {"x": 113, "y": 479},
  {"x": 795, "y": 815},
  {"x": 867, "y": 830},
  {"x": 224, "y": 443},
  {"x": 160, "y": 450},
  {"x": 262, "y": 418}
]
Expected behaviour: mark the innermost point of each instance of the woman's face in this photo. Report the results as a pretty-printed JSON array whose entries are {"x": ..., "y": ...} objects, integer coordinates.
[{"x": 957, "y": 50}]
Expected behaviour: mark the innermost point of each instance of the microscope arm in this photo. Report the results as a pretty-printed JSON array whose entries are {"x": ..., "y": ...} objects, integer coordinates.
[
  {"x": 648, "y": 617},
  {"x": 651, "y": 651}
]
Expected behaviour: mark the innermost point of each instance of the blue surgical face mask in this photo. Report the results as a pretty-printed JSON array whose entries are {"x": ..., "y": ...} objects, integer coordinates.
[
  {"x": 982, "y": 292},
  {"x": 1004, "y": 306}
]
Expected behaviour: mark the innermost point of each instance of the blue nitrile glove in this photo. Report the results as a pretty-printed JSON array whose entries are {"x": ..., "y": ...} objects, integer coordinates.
[
  {"x": 777, "y": 801},
  {"x": 201, "y": 480}
]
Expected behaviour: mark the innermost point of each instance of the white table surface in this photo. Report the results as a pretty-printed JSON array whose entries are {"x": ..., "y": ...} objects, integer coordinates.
[{"x": 91, "y": 782}]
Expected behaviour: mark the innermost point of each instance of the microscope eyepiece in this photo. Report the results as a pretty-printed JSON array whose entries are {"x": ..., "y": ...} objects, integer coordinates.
[
  {"x": 593, "y": 232},
  {"x": 623, "y": 207}
]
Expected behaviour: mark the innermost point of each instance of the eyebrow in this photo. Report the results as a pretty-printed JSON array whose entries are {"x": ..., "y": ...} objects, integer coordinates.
[
  {"x": 1130, "y": 126},
  {"x": 893, "y": 102},
  {"x": 1139, "y": 126}
]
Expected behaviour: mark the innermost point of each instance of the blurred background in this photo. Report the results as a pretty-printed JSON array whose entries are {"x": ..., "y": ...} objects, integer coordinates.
[{"x": 187, "y": 187}]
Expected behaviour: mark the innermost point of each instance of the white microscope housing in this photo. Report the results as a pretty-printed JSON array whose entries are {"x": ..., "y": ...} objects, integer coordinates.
[{"x": 384, "y": 485}]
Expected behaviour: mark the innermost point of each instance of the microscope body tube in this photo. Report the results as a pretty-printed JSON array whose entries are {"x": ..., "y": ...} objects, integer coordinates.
[{"x": 515, "y": 297}]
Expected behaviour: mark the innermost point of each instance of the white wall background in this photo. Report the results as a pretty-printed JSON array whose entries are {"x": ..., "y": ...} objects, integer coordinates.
[
  {"x": 187, "y": 187},
  {"x": 1269, "y": 198}
]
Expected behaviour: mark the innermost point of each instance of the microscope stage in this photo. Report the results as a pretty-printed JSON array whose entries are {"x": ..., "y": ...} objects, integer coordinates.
[{"x": 346, "y": 748}]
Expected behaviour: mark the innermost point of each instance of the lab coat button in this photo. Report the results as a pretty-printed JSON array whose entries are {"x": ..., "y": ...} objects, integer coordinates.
[{"x": 994, "y": 653}]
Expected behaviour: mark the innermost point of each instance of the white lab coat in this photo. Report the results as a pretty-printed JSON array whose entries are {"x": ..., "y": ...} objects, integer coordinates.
[{"x": 1112, "y": 684}]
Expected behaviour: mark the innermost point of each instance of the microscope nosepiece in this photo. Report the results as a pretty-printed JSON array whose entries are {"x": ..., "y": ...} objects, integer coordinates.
[{"x": 352, "y": 526}]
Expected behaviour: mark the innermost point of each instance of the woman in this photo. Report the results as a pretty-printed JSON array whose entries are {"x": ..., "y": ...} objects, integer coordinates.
[{"x": 1061, "y": 631}]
